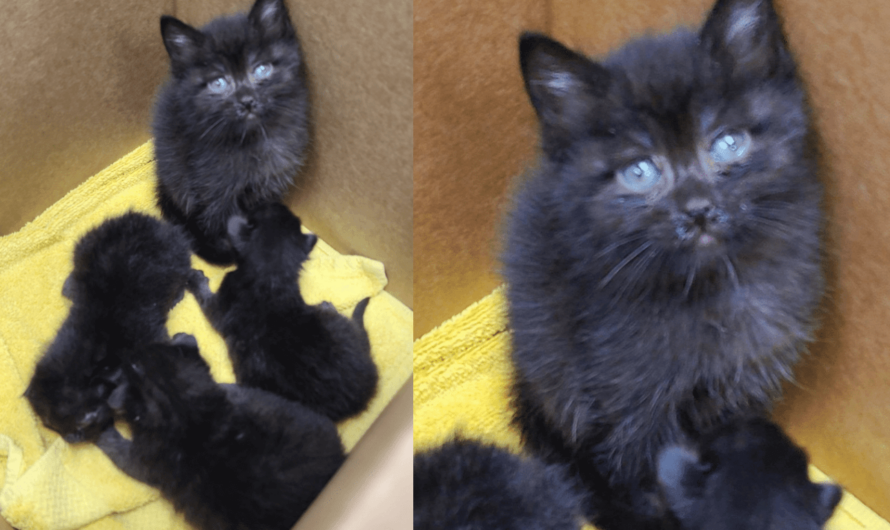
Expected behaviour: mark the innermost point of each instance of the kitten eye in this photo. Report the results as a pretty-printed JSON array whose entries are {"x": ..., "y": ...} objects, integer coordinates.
[
  {"x": 218, "y": 85},
  {"x": 262, "y": 71},
  {"x": 640, "y": 176},
  {"x": 730, "y": 147}
]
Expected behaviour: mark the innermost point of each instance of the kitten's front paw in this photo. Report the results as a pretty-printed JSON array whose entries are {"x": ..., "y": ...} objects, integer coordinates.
[
  {"x": 199, "y": 286},
  {"x": 184, "y": 339},
  {"x": 327, "y": 306}
]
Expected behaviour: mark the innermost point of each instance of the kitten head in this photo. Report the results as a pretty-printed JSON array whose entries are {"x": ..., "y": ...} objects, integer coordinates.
[
  {"x": 72, "y": 402},
  {"x": 129, "y": 263},
  {"x": 682, "y": 154},
  {"x": 161, "y": 386},
  {"x": 749, "y": 475},
  {"x": 270, "y": 240},
  {"x": 241, "y": 76}
]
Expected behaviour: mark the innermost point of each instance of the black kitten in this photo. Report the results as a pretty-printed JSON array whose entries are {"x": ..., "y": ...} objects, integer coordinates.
[
  {"x": 231, "y": 125},
  {"x": 128, "y": 273},
  {"x": 663, "y": 264},
  {"x": 468, "y": 485},
  {"x": 226, "y": 456},
  {"x": 748, "y": 475},
  {"x": 277, "y": 342}
]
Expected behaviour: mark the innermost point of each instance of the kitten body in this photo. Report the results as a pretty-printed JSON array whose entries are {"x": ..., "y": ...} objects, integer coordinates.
[
  {"x": 226, "y": 456},
  {"x": 128, "y": 273},
  {"x": 231, "y": 125},
  {"x": 663, "y": 264},
  {"x": 277, "y": 342},
  {"x": 470, "y": 485},
  {"x": 746, "y": 475}
]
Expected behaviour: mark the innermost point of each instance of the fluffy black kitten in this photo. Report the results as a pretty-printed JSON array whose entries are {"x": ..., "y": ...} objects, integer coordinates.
[
  {"x": 745, "y": 476},
  {"x": 277, "y": 342},
  {"x": 128, "y": 273},
  {"x": 469, "y": 485},
  {"x": 663, "y": 264},
  {"x": 226, "y": 456},
  {"x": 231, "y": 124}
]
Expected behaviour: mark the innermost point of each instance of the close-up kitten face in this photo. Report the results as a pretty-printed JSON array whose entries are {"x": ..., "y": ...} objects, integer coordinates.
[
  {"x": 684, "y": 153},
  {"x": 238, "y": 73}
]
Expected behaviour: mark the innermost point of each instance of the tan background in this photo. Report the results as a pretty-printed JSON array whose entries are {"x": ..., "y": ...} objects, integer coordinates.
[
  {"x": 77, "y": 80},
  {"x": 474, "y": 130}
]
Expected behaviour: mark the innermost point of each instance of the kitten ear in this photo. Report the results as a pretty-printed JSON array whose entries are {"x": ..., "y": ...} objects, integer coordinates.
[
  {"x": 181, "y": 40},
  {"x": 681, "y": 475},
  {"x": 828, "y": 498},
  {"x": 746, "y": 36},
  {"x": 271, "y": 18},
  {"x": 563, "y": 85}
]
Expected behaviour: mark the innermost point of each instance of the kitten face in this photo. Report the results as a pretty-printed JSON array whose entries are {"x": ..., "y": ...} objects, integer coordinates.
[
  {"x": 683, "y": 153},
  {"x": 75, "y": 409},
  {"x": 749, "y": 475},
  {"x": 238, "y": 71}
]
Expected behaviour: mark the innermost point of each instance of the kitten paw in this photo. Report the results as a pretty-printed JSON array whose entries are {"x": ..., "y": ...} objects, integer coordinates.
[
  {"x": 184, "y": 339},
  {"x": 199, "y": 286}
]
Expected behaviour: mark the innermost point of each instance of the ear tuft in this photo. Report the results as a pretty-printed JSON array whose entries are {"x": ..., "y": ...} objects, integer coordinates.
[
  {"x": 746, "y": 36},
  {"x": 181, "y": 40},
  {"x": 271, "y": 18}
]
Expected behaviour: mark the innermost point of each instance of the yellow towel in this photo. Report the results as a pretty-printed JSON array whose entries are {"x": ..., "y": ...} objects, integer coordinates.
[
  {"x": 46, "y": 484},
  {"x": 462, "y": 373}
]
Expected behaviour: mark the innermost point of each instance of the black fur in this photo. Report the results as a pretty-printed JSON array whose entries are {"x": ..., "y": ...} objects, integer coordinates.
[
  {"x": 226, "y": 456},
  {"x": 468, "y": 485},
  {"x": 746, "y": 476},
  {"x": 277, "y": 342},
  {"x": 643, "y": 311},
  {"x": 128, "y": 273},
  {"x": 219, "y": 152}
]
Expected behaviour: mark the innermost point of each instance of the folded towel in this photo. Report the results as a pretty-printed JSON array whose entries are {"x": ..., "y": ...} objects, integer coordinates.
[
  {"x": 47, "y": 484},
  {"x": 462, "y": 373}
]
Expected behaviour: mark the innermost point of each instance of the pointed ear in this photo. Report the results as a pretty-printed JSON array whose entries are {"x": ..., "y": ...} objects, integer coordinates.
[
  {"x": 564, "y": 86},
  {"x": 181, "y": 40},
  {"x": 828, "y": 498},
  {"x": 681, "y": 476},
  {"x": 746, "y": 36},
  {"x": 271, "y": 18}
]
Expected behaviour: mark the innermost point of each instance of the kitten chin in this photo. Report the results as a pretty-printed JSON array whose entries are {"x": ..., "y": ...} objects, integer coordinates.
[
  {"x": 663, "y": 263},
  {"x": 231, "y": 124}
]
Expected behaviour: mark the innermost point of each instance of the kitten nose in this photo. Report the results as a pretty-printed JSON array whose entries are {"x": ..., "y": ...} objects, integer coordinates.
[
  {"x": 248, "y": 102},
  {"x": 698, "y": 207}
]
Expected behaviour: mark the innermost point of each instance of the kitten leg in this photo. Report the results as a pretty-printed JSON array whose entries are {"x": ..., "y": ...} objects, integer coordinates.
[
  {"x": 199, "y": 286},
  {"x": 118, "y": 450}
]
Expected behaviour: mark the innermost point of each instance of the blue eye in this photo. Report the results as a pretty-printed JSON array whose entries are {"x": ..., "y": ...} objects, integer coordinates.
[
  {"x": 640, "y": 176},
  {"x": 730, "y": 147},
  {"x": 262, "y": 71},
  {"x": 218, "y": 85}
]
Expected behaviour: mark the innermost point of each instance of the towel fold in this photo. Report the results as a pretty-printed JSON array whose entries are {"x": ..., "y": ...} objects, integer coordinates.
[
  {"x": 47, "y": 484},
  {"x": 462, "y": 376}
]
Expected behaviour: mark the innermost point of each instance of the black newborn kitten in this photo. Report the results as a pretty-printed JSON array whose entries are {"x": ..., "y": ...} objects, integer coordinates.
[
  {"x": 468, "y": 485},
  {"x": 226, "y": 456},
  {"x": 231, "y": 124},
  {"x": 747, "y": 476},
  {"x": 128, "y": 273},
  {"x": 277, "y": 342},
  {"x": 663, "y": 264}
]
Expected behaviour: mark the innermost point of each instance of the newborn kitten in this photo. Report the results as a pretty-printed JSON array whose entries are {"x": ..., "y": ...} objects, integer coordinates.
[
  {"x": 128, "y": 273},
  {"x": 226, "y": 456},
  {"x": 232, "y": 124},
  {"x": 663, "y": 264},
  {"x": 469, "y": 485},
  {"x": 277, "y": 342},
  {"x": 746, "y": 476}
]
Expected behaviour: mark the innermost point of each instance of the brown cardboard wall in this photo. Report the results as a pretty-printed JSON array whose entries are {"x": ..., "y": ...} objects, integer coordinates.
[
  {"x": 79, "y": 81},
  {"x": 475, "y": 130}
]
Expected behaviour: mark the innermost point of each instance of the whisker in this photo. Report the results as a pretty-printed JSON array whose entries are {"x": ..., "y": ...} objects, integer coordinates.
[
  {"x": 615, "y": 270},
  {"x": 609, "y": 248},
  {"x": 689, "y": 279},
  {"x": 731, "y": 270}
]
